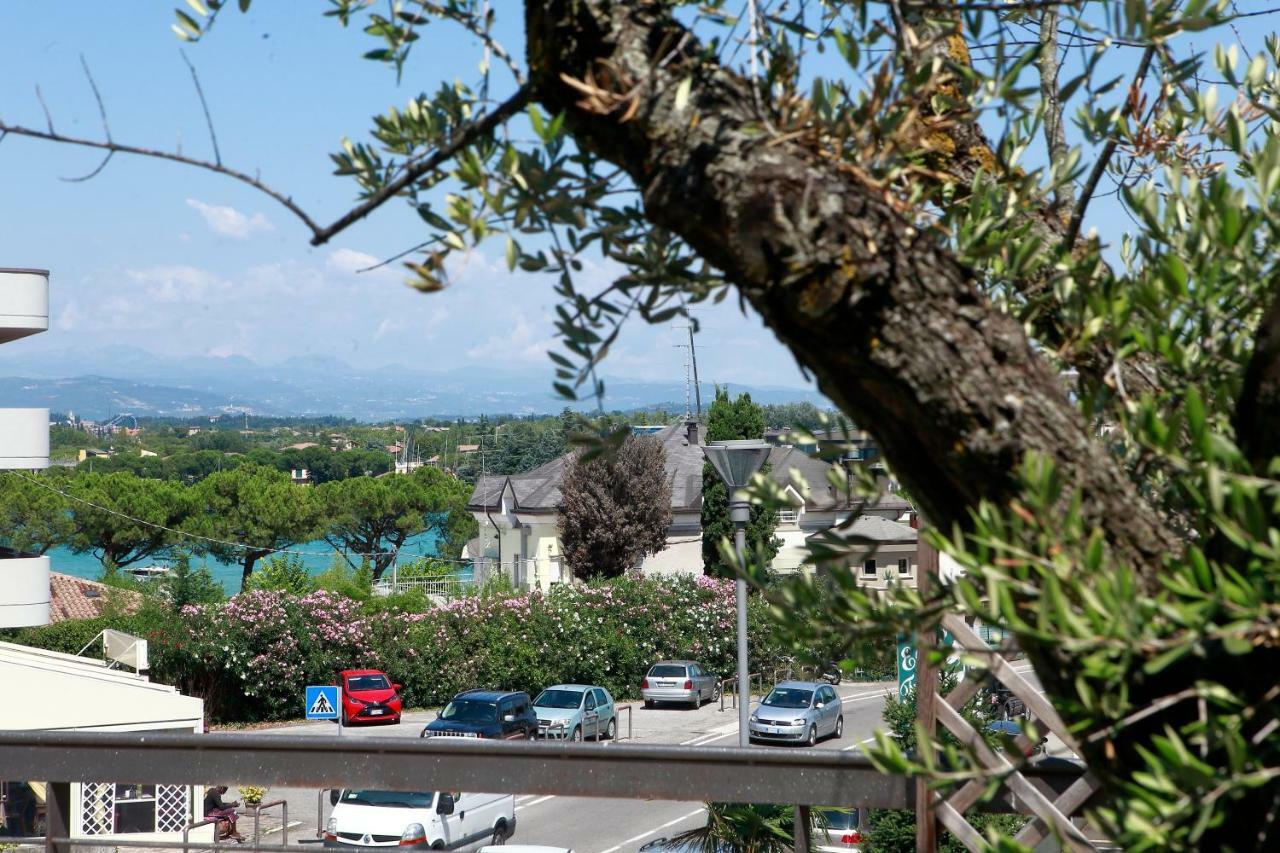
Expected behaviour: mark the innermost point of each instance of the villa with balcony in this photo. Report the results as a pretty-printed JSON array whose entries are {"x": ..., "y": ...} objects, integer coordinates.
[
  {"x": 518, "y": 514},
  {"x": 24, "y": 445}
]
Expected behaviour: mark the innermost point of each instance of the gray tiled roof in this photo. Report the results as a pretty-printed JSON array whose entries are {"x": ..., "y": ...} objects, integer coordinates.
[
  {"x": 873, "y": 528},
  {"x": 539, "y": 490}
]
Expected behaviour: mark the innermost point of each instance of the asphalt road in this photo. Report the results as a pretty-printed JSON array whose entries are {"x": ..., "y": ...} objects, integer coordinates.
[{"x": 592, "y": 825}]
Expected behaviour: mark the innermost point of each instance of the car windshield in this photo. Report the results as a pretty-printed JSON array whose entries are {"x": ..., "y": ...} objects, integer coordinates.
[
  {"x": 469, "y": 711},
  {"x": 402, "y": 799},
  {"x": 788, "y": 697},
  {"x": 837, "y": 819},
  {"x": 559, "y": 699},
  {"x": 367, "y": 682},
  {"x": 667, "y": 670}
]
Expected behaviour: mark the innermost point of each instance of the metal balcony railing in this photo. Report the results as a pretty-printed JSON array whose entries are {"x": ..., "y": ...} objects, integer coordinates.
[{"x": 629, "y": 771}]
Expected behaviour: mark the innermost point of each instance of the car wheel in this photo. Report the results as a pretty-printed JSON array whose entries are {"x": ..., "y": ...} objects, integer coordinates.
[
  {"x": 839, "y": 727},
  {"x": 715, "y": 693},
  {"x": 813, "y": 736},
  {"x": 576, "y": 737},
  {"x": 499, "y": 833},
  {"x": 648, "y": 704},
  {"x": 696, "y": 701},
  {"x": 612, "y": 731},
  {"x": 532, "y": 734}
]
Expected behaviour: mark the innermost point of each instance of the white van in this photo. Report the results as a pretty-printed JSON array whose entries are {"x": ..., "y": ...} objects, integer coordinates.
[{"x": 435, "y": 820}]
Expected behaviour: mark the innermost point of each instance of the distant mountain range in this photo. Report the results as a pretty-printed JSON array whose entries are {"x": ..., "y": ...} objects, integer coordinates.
[{"x": 130, "y": 380}]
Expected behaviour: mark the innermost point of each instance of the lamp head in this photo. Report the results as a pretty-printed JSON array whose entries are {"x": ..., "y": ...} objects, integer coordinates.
[{"x": 736, "y": 461}]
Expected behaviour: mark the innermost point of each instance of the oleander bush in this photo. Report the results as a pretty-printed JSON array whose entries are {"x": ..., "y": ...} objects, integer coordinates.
[{"x": 251, "y": 656}]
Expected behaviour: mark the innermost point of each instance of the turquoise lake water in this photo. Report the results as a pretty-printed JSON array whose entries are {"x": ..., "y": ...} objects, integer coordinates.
[{"x": 316, "y": 556}]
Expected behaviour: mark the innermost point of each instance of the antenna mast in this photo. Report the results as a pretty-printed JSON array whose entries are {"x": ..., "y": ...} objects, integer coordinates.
[{"x": 697, "y": 389}]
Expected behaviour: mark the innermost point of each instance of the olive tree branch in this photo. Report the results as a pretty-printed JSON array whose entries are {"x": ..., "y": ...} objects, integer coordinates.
[
  {"x": 478, "y": 29},
  {"x": 120, "y": 148},
  {"x": 417, "y": 168},
  {"x": 1104, "y": 157},
  {"x": 412, "y": 171}
]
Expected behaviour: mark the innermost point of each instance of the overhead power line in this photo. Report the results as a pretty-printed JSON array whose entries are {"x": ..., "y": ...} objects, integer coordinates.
[{"x": 189, "y": 535}]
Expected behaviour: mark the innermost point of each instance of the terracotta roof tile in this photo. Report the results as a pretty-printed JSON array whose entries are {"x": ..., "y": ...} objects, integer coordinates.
[{"x": 76, "y": 598}]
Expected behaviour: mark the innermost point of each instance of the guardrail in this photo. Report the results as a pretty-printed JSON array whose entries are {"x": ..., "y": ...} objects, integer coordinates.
[
  {"x": 640, "y": 771},
  {"x": 186, "y": 831},
  {"x": 257, "y": 810},
  {"x": 734, "y": 681},
  {"x": 618, "y": 736}
]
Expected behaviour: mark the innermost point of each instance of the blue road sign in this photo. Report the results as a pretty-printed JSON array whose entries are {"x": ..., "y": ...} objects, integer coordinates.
[{"x": 322, "y": 702}]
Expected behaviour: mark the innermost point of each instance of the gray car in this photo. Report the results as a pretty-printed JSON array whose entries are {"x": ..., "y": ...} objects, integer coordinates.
[
  {"x": 576, "y": 711},
  {"x": 798, "y": 712},
  {"x": 682, "y": 681}
]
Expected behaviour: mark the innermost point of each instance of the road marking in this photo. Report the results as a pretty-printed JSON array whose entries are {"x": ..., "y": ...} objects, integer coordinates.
[
  {"x": 539, "y": 800},
  {"x": 292, "y": 825},
  {"x": 858, "y": 744},
  {"x": 644, "y": 835},
  {"x": 706, "y": 739},
  {"x": 523, "y": 797}
]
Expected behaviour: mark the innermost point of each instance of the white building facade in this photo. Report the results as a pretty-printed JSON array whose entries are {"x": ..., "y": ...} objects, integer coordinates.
[{"x": 24, "y": 445}]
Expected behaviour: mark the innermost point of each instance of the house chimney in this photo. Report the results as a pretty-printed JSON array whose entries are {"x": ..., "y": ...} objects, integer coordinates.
[{"x": 691, "y": 430}]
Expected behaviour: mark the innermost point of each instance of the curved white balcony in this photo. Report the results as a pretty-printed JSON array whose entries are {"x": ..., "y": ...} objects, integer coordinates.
[
  {"x": 24, "y": 438},
  {"x": 24, "y": 591},
  {"x": 24, "y": 303}
]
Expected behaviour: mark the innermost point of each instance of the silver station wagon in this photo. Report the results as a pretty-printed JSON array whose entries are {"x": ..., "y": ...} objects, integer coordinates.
[
  {"x": 682, "y": 681},
  {"x": 798, "y": 712}
]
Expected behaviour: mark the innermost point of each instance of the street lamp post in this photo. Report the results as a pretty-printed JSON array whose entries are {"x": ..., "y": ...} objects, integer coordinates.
[{"x": 737, "y": 462}]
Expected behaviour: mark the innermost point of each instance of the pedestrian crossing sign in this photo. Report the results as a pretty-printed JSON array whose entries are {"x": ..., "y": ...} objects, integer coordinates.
[{"x": 322, "y": 702}]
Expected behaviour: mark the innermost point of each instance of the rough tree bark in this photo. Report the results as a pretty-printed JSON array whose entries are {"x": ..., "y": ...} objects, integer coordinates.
[
  {"x": 893, "y": 328},
  {"x": 891, "y": 325}
]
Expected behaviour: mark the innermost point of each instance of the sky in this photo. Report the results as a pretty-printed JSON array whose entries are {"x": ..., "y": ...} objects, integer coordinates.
[{"x": 181, "y": 262}]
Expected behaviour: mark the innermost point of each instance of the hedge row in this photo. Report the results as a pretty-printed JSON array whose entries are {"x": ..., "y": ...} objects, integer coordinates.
[{"x": 251, "y": 656}]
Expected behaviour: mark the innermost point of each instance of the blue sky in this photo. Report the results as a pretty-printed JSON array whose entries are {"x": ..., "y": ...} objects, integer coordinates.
[{"x": 181, "y": 262}]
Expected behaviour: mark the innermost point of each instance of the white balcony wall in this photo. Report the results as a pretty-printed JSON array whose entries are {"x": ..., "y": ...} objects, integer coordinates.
[
  {"x": 24, "y": 438},
  {"x": 24, "y": 303},
  {"x": 24, "y": 591}
]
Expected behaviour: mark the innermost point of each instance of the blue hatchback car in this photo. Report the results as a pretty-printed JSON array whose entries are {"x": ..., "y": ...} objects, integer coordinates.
[{"x": 489, "y": 714}]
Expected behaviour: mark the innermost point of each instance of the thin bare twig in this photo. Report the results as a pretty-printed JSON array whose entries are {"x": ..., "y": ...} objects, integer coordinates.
[
  {"x": 106, "y": 127},
  {"x": 1091, "y": 185},
  {"x": 480, "y": 30},
  {"x": 118, "y": 148},
  {"x": 48, "y": 117},
  {"x": 204, "y": 105},
  {"x": 97, "y": 96},
  {"x": 320, "y": 235},
  {"x": 1054, "y": 133}
]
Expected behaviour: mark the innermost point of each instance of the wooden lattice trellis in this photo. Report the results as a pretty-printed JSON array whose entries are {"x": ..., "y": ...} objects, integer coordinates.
[{"x": 1052, "y": 814}]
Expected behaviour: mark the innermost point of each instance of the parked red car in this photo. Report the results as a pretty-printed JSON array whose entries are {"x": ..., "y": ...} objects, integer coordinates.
[{"x": 369, "y": 696}]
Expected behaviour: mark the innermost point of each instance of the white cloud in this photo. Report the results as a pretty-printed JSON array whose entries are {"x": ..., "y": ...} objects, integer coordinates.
[
  {"x": 177, "y": 283},
  {"x": 228, "y": 221},
  {"x": 349, "y": 261},
  {"x": 520, "y": 342}
]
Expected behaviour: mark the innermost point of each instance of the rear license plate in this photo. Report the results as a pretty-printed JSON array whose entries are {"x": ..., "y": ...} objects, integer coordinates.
[{"x": 666, "y": 684}]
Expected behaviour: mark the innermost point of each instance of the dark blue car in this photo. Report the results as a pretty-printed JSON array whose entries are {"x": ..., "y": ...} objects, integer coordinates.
[{"x": 487, "y": 714}]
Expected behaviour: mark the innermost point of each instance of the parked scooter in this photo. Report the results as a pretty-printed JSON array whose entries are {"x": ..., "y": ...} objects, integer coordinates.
[{"x": 832, "y": 674}]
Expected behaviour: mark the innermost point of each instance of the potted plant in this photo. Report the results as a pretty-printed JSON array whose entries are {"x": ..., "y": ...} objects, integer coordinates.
[{"x": 251, "y": 795}]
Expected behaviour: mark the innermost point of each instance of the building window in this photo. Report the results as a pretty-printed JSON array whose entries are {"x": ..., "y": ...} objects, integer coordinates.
[
  {"x": 788, "y": 516},
  {"x": 904, "y": 568},
  {"x": 869, "y": 568}
]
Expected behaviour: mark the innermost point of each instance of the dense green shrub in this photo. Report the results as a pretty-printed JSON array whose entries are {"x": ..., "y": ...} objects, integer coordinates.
[{"x": 251, "y": 656}]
